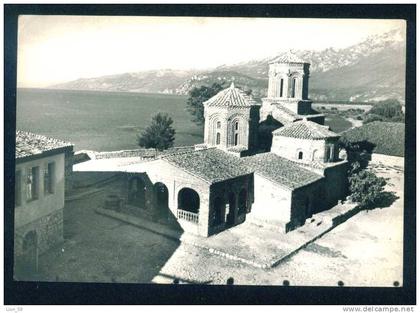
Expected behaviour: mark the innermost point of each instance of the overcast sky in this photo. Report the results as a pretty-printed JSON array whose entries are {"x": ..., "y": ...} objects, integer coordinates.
[{"x": 54, "y": 49}]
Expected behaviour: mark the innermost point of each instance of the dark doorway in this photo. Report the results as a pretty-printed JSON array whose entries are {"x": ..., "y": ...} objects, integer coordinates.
[
  {"x": 242, "y": 202},
  {"x": 188, "y": 200},
  {"x": 161, "y": 196},
  {"x": 137, "y": 192},
  {"x": 217, "y": 216},
  {"x": 28, "y": 266},
  {"x": 230, "y": 220}
]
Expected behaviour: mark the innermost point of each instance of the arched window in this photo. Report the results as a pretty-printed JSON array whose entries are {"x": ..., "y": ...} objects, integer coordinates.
[
  {"x": 235, "y": 133},
  {"x": 161, "y": 197},
  {"x": 293, "y": 87},
  {"x": 218, "y": 139},
  {"x": 281, "y": 87},
  {"x": 230, "y": 219},
  {"x": 315, "y": 155},
  {"x": 300, "y": 155},
  {"x": 188, "y": 200},
  {"x": 218, "y": 124}
]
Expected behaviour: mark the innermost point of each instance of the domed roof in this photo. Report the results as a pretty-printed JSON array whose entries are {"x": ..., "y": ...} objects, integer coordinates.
[
  {"x": 231, "y": 97},
  {"x": 305, "y": 130}
]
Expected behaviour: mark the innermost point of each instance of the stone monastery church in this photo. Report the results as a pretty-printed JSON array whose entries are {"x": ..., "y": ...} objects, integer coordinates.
[{"x": 225, "y": 180}]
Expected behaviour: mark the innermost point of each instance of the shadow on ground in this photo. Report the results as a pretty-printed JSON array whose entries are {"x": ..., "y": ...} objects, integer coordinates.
[{"x": 98, "y": 248}]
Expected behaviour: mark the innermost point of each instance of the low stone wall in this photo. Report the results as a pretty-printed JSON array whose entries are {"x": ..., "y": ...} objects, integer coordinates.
[
  {"x": 49, "y": 232},
  {"x": 389, "y": 160},
  {"x": 142, "y": 153}
]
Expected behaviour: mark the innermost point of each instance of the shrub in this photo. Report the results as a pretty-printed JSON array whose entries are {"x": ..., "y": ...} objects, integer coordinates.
[{"x": 366, "y": 188}]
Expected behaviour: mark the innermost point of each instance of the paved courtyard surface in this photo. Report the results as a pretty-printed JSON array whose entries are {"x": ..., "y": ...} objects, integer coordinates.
[{"x": 364, "y": 251}]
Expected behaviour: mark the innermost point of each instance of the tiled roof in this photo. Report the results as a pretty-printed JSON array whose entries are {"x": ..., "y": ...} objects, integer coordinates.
[
  {"x": 305, "y": 130},
  {"x": 231, "y": 97},
  {"x": 212, "y": 165},
  {"x": 284, "y": 115},
  {"x": 29, "y": 144},
  {"x": 281, "y": 170},
  {"x": 288, "y": 57}
]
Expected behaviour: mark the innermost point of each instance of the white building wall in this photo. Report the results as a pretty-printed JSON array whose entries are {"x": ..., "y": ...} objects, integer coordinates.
[
  {"x": 272, "y": 203},
  {"x": 32, "y": 210},
  {"x": 313, "y": 150}
]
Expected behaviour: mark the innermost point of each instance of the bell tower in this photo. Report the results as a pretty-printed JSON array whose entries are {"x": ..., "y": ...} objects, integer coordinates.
[{"x": 288, "y": 84}]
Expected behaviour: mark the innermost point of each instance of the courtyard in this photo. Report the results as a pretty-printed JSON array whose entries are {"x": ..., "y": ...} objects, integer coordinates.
[{"x": 99, "y": 248}]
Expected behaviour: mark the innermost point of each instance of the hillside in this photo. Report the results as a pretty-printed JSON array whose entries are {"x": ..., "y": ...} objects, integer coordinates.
[
  {"x": 369, "y": 71},
  {"x": 387, "y": 137}
]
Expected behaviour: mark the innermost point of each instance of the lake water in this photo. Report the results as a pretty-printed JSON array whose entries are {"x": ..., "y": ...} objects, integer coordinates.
[
  {"x": 106, "y": 121},
  {"x": 101, "y": 121}
]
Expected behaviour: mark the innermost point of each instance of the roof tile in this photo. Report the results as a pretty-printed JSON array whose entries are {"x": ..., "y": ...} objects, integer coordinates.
[
  {"x": 29, "y": 144},
  {"x": 281, "y": 170},
  {"x": 305, "y": 130},
  {"x": 231, "y": 97}
]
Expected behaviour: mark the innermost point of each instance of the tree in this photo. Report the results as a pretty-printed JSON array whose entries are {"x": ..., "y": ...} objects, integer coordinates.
[
  {"x": 159, "y": 134},
  {"x": 387, "y": 110},
  {"x": 197, "y": 96},
  {"x": 366, "y": 188}
]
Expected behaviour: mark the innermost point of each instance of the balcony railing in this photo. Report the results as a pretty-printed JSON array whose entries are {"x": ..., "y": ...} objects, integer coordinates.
[{"x": 188, "y": 216}]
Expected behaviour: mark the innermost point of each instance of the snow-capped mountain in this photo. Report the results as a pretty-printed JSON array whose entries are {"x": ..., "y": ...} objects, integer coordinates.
[{"x": 369, "y": 71}]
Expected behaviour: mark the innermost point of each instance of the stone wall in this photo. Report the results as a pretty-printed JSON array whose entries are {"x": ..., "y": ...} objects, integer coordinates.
[
  {"x": 49, "y": 232},
  {"x": 160, "y": 171},
  {"x": 306, "y": 201},
  {"x": 336, "y": 184},
  {"x": 289, "y": 148},
  {"x": 272, "y": 202},
  {"x": 248, "y": 126}
]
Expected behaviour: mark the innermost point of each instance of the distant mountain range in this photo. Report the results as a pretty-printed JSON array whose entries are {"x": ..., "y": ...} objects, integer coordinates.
[{"x": 370, "y": 71}]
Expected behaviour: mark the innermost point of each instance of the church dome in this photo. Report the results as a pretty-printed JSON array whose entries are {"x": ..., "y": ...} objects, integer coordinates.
[{"x": 231, "y": 97}]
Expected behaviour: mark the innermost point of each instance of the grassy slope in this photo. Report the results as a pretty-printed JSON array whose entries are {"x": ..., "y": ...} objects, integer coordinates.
[
  {"x": 337, "y": 123},
  {"x": 388, "y": 137}
]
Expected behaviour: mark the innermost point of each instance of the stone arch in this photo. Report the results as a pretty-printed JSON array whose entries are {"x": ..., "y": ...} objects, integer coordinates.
[
  {"x": 242, "y": 201},
  {"x": 315, "y": 155},
  {"x": 281, "y": 87},
  {"x": 237, "y": 130},
  {"x": 29, "y": 264},
  {"x": 217, "y": 213},
  {"x": 230, "y": 219},
  {"x": 137, "y": 192},
  {"x": 161, "y": 194},
  {"x": 294, "y": 84},
  {"x": 188, "y": 200},
  {"x": 299, "y": 154},
  {"x": 215, "y": 129}
]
